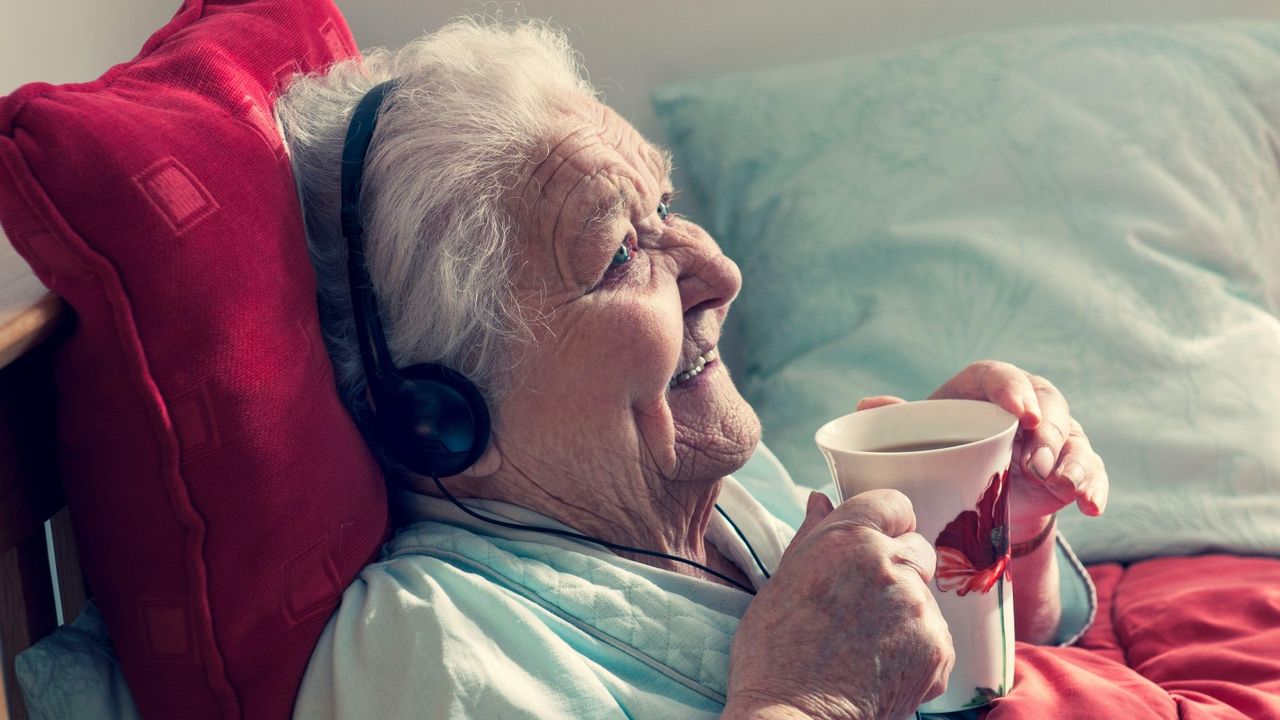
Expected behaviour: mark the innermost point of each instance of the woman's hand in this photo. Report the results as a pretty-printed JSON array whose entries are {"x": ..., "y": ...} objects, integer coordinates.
[
  {"x": 1052, "y": 465},
  {"x": 846, "y": 628}
]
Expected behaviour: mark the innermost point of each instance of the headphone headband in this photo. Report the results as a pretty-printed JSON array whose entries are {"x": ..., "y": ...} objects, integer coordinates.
[
  {"x": 359, "y": 135},
  {"x": 375, "y": 354}
]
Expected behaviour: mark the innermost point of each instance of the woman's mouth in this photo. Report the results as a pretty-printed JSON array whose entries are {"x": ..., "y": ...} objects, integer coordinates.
[{"x": 691, "y": 372}]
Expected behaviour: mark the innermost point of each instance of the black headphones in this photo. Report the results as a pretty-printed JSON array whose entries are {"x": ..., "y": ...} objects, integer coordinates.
[{"x": 431, "y": 419}]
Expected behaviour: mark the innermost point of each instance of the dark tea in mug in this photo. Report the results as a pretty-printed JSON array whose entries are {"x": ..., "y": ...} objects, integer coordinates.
[{"x": 919, "y": 446}]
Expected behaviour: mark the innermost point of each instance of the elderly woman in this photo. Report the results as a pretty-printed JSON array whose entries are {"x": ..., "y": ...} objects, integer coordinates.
[{"x": 522, "y": 233}]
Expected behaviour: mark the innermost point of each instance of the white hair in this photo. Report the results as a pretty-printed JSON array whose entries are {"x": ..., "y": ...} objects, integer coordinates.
[{"x": 470, "y": 112}]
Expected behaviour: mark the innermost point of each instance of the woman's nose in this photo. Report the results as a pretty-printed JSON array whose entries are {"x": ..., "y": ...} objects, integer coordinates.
[{"x": 713, "y": 281}]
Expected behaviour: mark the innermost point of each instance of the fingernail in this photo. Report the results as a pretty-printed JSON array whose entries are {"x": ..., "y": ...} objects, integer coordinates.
[
  {"x": 1101, "y": 501},
  {"x": 1030, "y": 417},
  {"x": 1074, "y": 473},
  {"x": 1041, "y": 462},
  {"x": 817, "y": 502}
]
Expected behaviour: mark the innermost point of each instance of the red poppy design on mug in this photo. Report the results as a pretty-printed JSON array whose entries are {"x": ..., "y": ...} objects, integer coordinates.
[{"x": 973, "y": 549}]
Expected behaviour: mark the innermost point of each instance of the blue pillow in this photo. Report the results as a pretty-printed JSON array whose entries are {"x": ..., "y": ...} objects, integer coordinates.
[{"x": 1100, "y": 206}]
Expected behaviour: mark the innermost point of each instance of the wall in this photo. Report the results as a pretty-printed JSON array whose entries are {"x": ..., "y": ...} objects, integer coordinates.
[
  {"x": 629, "y": 47},
  {"x": 64, "y": 41}
]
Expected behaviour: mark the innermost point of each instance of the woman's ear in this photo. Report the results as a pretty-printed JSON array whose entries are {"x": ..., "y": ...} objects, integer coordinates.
[{"x": 489, "y": 462}]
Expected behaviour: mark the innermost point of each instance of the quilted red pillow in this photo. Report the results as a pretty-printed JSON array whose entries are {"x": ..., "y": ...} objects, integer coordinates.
[{"x": 222, "y": 498}]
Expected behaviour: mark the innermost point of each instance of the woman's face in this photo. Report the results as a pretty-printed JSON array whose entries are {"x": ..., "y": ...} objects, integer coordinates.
[{"x": 624, "y": 297}]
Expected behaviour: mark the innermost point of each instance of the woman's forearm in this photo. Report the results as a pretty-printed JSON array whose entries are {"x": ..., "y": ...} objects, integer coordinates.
[{"x": 1037, "y": 604}]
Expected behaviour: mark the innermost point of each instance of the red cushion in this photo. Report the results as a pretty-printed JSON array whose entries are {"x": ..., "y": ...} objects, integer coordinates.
[
  {"x": 1176, "y": 638},
  {"x": 1207, "y": 630},
  {"x": 222, "y": 498}
]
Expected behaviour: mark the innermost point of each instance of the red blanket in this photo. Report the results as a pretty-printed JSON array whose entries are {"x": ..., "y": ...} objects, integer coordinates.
[{"x": 1175, "y": 638}]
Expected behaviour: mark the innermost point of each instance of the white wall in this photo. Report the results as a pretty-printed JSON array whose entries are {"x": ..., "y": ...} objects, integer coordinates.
[
  {"x": 629, "y": 46},
  {"x": 63, "y": 41}
]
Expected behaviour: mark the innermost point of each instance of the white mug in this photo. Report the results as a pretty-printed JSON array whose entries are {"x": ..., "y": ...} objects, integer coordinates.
[{"x": 960, "y": 495}]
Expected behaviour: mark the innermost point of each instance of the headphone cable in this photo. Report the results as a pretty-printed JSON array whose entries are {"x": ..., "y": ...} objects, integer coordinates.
[{"x": 587, "y": 538}]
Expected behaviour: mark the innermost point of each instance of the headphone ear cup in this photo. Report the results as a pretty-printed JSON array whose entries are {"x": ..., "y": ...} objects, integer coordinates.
[{"x": 433, "y": 420}]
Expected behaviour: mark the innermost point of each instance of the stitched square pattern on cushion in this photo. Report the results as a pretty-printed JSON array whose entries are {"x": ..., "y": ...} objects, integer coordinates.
[
  {"x": 176, "y": 193},
  {"x": 221, "y": 496}
]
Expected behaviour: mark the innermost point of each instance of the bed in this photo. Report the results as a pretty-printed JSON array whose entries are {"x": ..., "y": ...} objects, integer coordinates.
[{"x": 1156, "y": 234}]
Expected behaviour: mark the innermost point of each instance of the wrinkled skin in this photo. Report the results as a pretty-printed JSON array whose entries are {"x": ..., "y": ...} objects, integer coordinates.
[{"x": 593, "y": 436}]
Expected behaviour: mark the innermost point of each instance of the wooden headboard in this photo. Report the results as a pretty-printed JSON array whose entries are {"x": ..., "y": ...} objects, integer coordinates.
[{"x": 31, "y": 324}]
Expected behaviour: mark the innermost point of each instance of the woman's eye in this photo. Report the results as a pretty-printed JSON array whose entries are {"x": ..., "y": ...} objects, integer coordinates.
[
  {"x": 664, "y": 209},
  {"x": 623, "y": 256}
]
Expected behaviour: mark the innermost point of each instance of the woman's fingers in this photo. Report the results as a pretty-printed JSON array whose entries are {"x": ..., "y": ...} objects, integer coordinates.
[
  {"x": 998, "y": 382},
  {"x": 1042, "y": 446},
  {"x": 912, "y": 550},
  {"x": 1051, "y": 448},
  {"x": 876, "y": 401},
  {"x": 817, "y": 509},
  {"x": 1080, "y": 475},
  {"x": 886, "y": 645},
  {"x": 887, "y": 511}
]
